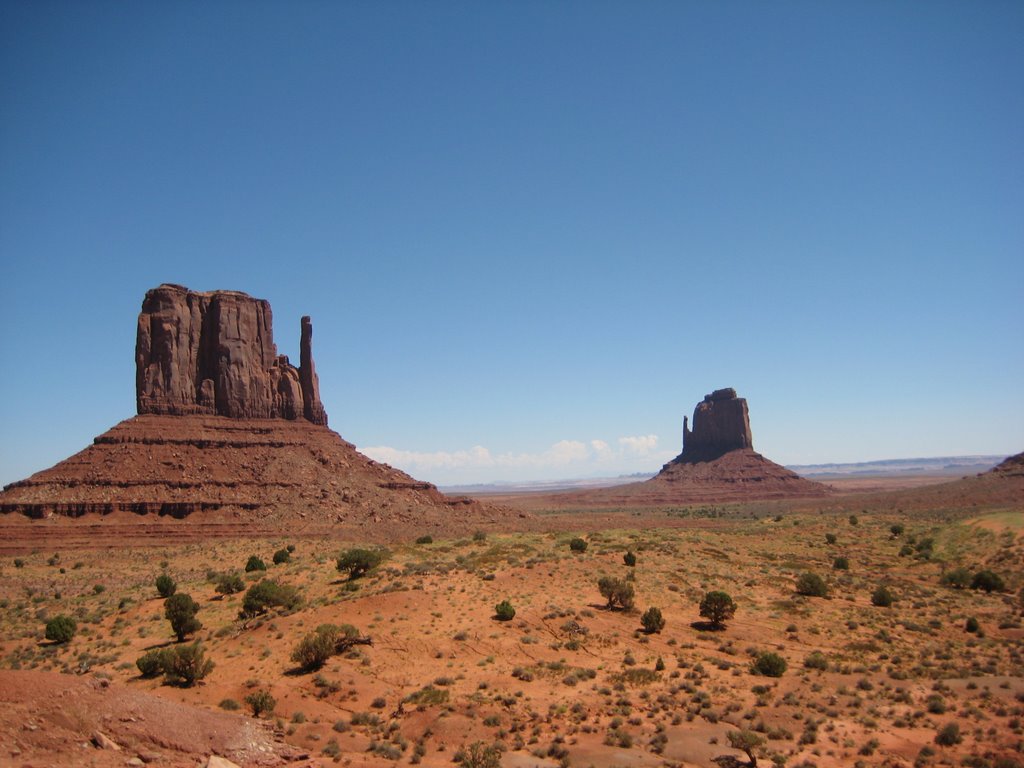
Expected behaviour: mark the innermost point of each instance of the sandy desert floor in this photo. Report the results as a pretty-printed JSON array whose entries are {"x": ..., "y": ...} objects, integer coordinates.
[{"x": 566, "y": 681}]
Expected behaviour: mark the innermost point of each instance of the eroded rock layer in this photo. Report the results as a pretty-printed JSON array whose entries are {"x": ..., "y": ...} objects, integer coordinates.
[
  {"x": 213, "y": 353},
  {"x": 269, "y": 472},
  {"x": 721, "y": 423}
]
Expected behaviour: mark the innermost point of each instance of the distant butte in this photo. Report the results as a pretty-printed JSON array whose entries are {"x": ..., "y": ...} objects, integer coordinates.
[
  {"x": 231, "y": 430},
  {"x": 718, "y": 465}
]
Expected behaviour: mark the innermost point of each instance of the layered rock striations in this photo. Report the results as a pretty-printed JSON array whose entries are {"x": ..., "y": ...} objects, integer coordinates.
[{"x": 214, "y": 354}]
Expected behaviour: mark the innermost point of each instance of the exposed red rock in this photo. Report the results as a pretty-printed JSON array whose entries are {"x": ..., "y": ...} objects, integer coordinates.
[
  {"x": 1012, "y": 466},
  {"x": 213, "y": 353},
  {"x": 229, "y": 431},
  {"x": 721, "y": 423}
]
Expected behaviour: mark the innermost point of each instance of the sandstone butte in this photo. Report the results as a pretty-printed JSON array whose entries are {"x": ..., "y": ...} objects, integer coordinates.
[
  {"x": 718, "y": 464},
  {"x": 229, "y": 433}
]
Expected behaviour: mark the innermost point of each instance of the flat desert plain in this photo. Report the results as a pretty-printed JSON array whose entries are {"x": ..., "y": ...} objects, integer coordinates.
[{"x": 934, "y": 678}]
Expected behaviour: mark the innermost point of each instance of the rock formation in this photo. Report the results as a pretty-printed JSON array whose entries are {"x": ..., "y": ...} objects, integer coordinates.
[
  {"x": 721, "y": 423},
  {"x": 214, "y": 354},
  {"x": 231, "y": 436}
]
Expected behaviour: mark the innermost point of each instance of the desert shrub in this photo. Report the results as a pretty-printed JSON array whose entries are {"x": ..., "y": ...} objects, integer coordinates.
[
  {"x": 180, "y": 609},
  {"x": 841, "y": 564},
  {"x": 830, "y": 538},
  {"x": 229, "y": 584},
  {"x": 229, "y": 705},
  {"x": 988, "y": 581},
  {"x": 165, "y": 585},
  {"x": 958, "y": 578},
  {"x": 906, "y": 550},
  {"x": 896, "y": 529},
  {"x": 479, "y": 536},
  {"x": 769, "y": 664},
  {"x": 479, "y": 755},
  {"x": 260, "y": 701},
  {"x": 578, "y": 545},
  {"x": 881, "y": 597},
  {"x": 425, "y": 540},
  {"x": 60, "y": 629},
  {"x": 746, "y": 741},
  {"x": 948, "y": 735},
  {"x": 19, "y": 562},
  {"x": 358, "y": 562},
  {"x": 652, "y": 620},
  {"x": 151, "y": 663},
  {"x": 318, "y": 646},
  {"x": 504, "y": 611},
  {"x": 629, "y": 559},
  {"x": 853, "y": 520},
  {"x": 254, "y": 563},
  {"x": 618, "y": 592},
  {"x": 716, "y": 607},
  {"x": 282, "y": 556},
  {"x": 268, "y": 594},
  {"x": 971, "y": 625},
  {"x": 186, "y": 664},
  {"x": 816, "y": 660},
  {"x": 811, "y": 585}
]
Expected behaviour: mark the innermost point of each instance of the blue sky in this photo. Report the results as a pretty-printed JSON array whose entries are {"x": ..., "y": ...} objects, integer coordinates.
[{"x": 531, "y": 235}]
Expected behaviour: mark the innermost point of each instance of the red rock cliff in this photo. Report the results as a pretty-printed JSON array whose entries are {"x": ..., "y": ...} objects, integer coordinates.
[
  {"x": 721, "y": 423},
  {"x": 214, "y": 353}
]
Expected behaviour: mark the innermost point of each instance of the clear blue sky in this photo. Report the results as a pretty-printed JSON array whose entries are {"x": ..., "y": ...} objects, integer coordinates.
[{"x": 531, "y": 235}]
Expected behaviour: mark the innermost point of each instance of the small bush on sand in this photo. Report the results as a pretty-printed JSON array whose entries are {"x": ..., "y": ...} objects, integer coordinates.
[
  {"x": 504, "y": 611},
  {"x": 60, "y": 629},
  {"x": 578, "y": 545},
  {"x": 165, "y": 585},
  {"x": 254, "y": 563},
  {"x": 260, "y": 701},
  {"x": 652, "y": 620},
  {"x": 268, "y": 594},
  {"x": 618, "y": 592},
  {"x": 769, "y": 664},
  {"x": 359, "y": 562},
  {"x": 180, "y": 609},
  {"x": 811, "y": 585},
  {"x": 716, "y": 607}
]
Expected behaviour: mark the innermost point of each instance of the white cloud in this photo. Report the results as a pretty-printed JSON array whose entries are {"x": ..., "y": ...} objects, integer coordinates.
[{"x": 564, "y": 459}]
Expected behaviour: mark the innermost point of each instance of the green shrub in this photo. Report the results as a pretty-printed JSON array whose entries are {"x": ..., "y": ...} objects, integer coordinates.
[
  {"x": 19, "y": 562},
  {"x": 841, "y": 564},
  {"x": 769, "y": 664},
  {"x": 816, "y": 660},
  {"x": 716, "y": 607},
  {"x": 359, "y": 562},
  {"x": 180, "y": 609},
  {"x": 229, "y": 705},
  {"x": 618, "y": 592},
  {"x": 811, "y": 585},
  {"x": 896, "y": 529},
  {"x": 186, "y": 664},
  {"x": 652, "y": 620},
  {"x": 578, "y": 545},
  {"x": 479, "y": 755},
  {"x": 165, "y": 585},
  {"x": 60, "y": 629},
  {"x": 853, "y": 520},
  {"x": 151, "y": 663},
  {"x": 229, "y": 583},
  {"x": 254, "y": 563},
  {"x": 629, "y": 559},
  {"x": 282, "y": 556},
  {"x": 318, "y": 646},
  {"x": 830, "y": 538},
  {"x": 949, "y": 735},
  {"x": 268, "y": 594},
  {"x": 260, "y": 701},
  {"x": 958, "y": 578},
  {"x": 746, "y": 741},
  {"x": 972, "y": 625},
  {"x": 881, "y": 597},
  {"x": 479, "y": 536},
  {"x": 988, "y": 581},
  {"x": 504, "y": 611},
  {"x": 427, "y": 539}
]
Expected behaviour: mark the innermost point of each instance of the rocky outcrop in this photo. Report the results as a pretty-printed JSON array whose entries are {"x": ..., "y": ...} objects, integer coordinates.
[
  {"x": 721, "y": 423},
  {"x": 213, "y": 353}
]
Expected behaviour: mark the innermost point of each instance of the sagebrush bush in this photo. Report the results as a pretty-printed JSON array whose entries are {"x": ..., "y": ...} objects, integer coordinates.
[
  {"x": 165, "y": 585},
  {"x": 882, "y": 597},
  {"x": 504, "y": 611},
  {"x": 60, "y": 629},
  {"x": 578, "y": 545},
  {"x": 652, "y": 620},
  {"x": 841, "y": 564},
  {"x": 811, "y": 585},
  {"x": 255, "y": 563},
  {"x": 769, "y": 664},
  {"x": 229, "y": 583},
  {"x": 282, "y": 556}
]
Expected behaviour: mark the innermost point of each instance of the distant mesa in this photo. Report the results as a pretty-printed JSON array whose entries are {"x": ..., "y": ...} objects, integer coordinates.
[
  {"x": 214, "y": 354},
  {"x": 229, "y": 428}
]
